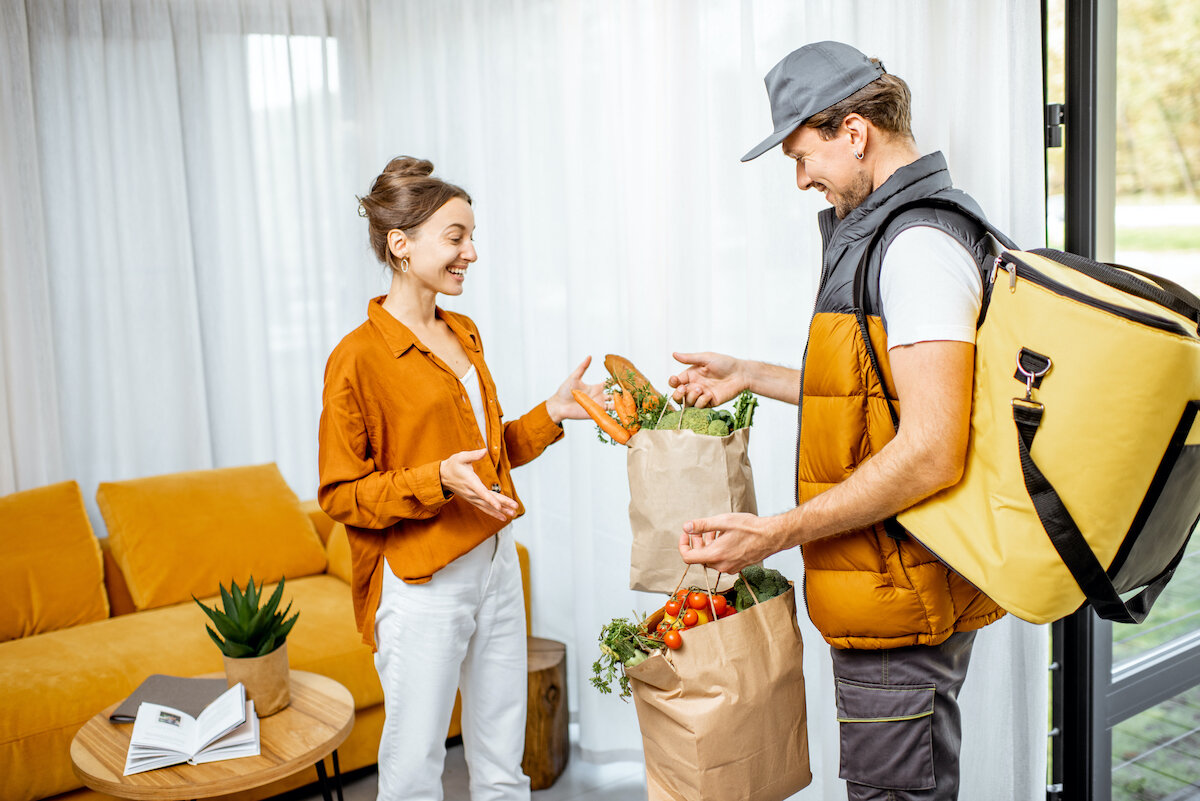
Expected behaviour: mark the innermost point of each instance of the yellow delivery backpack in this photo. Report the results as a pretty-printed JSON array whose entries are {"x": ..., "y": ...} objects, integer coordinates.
[{"x": 1082, "y": 480}]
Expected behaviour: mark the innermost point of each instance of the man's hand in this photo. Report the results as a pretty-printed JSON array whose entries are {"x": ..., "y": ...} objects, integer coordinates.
[
  {"x": 710, "y": 380},
  {"x": 459, "y": 478},
  {"x": 729, "y": 542}
]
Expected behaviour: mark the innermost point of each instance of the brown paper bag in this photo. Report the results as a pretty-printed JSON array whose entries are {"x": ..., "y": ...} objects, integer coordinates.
[
  {"x": 724, "y": 717},
  {"x": 674, "y": 477}
]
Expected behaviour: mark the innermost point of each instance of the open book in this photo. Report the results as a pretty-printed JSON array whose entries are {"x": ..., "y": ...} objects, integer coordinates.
[{"x": 162, "y": 736}]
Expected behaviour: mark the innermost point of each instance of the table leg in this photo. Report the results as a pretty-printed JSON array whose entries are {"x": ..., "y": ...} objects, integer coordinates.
[{"x": 324, "y": 780}]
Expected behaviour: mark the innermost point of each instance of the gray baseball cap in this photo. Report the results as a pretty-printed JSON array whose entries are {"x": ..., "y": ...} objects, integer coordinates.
[{"x": 809, "y": 80}]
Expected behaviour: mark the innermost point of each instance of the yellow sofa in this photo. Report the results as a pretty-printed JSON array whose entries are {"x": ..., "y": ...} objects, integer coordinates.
[{"x": 84, "y": 620}]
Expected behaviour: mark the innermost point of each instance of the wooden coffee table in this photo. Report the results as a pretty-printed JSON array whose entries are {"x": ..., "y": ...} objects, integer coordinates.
[{"x": 318, "y": 719}]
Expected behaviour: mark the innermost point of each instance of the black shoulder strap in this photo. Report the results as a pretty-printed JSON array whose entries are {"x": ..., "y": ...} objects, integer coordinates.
[
  {"x": 860, "y": 273},
  {"x": 892, "y": 526}
]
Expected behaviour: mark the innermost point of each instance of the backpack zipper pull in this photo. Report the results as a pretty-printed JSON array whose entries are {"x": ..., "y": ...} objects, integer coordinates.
[{"x": 1010, "y": 268}]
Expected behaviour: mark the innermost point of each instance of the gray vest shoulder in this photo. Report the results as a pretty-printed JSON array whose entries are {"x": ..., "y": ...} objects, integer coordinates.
[{"x": 837, "y": 293}]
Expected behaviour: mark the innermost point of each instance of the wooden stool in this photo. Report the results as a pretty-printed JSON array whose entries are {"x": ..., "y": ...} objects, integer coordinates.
[{"x": 547, "y": 743}]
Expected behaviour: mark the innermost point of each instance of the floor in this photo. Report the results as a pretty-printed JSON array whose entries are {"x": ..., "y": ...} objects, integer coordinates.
[{"x": 581, "y": 781}]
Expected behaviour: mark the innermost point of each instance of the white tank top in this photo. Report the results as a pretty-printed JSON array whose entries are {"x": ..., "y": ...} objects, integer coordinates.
[{"x": 470, "y": 380}]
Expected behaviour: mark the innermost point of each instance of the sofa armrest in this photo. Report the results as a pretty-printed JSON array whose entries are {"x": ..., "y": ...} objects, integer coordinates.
[{"x": 322, "y": 522}]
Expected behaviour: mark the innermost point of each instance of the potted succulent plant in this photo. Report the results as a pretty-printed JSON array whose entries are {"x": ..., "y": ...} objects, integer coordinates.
[{"x": 253, "y": 641}]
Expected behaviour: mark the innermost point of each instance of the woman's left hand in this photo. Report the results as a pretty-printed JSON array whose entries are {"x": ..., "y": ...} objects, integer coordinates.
[{"x": 562, "y": 406}]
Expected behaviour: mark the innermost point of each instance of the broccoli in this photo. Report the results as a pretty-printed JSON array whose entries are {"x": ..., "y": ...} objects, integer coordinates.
[
  {"x": 695, "y": 419},
  {"x": 766, "y": 583},
  {"x": 718, "y": 428}
]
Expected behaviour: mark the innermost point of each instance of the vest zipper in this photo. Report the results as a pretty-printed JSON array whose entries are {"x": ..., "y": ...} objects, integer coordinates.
[{"x": 1019, "y": 269}]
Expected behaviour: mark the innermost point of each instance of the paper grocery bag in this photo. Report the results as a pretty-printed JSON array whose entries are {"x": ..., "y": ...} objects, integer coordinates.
[
  {"x": 674, "y": 477},
  {"x": 724, "y": 716}
]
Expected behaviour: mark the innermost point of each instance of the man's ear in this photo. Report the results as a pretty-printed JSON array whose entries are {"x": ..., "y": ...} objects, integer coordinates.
[{"x": 858, "y": 130}]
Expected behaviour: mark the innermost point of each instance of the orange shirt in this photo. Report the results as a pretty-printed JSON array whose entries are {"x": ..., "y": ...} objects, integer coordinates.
[{"x": 392, "y": 411}]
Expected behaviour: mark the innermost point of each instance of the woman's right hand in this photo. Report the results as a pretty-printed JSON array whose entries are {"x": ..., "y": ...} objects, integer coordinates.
[
  {"x": 710, "y": 380},
  {"x": 459, "y": 478}
]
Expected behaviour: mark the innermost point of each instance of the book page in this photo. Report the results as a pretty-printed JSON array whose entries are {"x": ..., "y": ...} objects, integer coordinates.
[
  {"x": 220, "y": 717},
  {"x": 161, "y": 736},
  {"x": 163, "y": 728},
  {"x": 241, "y": 742}
]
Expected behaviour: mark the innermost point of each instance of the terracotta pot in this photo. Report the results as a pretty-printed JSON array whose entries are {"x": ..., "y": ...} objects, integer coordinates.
[{"x": 266, "y": 678}]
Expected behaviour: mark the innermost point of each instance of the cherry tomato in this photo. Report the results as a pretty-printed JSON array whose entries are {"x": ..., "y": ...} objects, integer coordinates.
[
  {"x": 673, "y": 606},
  {"x": 691, "y": 617},
  {"x": 719, "y": 604},
  {"x": 697, "y": 600},
  {"x": 672, "y": 639},
  {"x": 664, "y": 624}
]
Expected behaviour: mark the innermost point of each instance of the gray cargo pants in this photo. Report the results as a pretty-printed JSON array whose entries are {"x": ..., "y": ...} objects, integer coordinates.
[{"x": 898, "y": 715}]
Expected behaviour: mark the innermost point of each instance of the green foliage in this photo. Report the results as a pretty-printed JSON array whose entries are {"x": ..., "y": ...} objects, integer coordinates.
[
  {"x": 765, "y": 582},
  {"x": 1157, "y": 104},
  {"x": 623, "y": 643},
  {"x": 712, "y": 422},
  {"x": 743, "y": 410},
  {"x": 248, "y": 628}
]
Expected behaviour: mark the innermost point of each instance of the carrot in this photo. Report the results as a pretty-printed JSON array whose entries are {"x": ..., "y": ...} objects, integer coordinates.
[
  {"x": 596, "y": 412},
  {"x": 626, "y": 410}
]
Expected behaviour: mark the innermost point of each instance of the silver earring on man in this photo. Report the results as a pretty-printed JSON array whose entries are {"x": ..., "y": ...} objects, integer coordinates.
[
  {"x": 404, "y": 264},
  {"x": 858, "y": 155}
]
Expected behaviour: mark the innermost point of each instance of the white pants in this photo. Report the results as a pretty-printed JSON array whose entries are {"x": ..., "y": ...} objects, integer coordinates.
[{"x": 463, "y": 629}]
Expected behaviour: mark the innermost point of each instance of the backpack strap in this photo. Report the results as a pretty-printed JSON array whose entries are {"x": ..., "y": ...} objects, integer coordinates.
[
  {"x": 1064, "y": 533},
  {"x": 860, "y": 273},
  {"x": 892, "y": 526}
]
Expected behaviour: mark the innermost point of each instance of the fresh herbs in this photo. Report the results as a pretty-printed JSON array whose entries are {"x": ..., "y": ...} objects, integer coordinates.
[{"x": 623, "y": 643}]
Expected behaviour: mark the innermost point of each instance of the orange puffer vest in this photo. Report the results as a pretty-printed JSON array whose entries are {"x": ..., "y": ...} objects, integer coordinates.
[{"x": 867, "y": 589}]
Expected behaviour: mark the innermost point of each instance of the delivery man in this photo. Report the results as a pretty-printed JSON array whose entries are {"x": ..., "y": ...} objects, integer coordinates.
[{"x": 899, "y": 622}]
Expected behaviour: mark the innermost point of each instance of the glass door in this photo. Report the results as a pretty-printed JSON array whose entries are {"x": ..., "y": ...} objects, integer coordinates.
[{"x": 1126, "y": 188}]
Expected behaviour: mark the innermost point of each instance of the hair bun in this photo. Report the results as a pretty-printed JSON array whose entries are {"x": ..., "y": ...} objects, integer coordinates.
[{"x": 407, "y": 166}]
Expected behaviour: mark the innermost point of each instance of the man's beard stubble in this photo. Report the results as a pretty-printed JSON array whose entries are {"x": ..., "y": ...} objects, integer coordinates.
[{"x": 858, "y": 191}]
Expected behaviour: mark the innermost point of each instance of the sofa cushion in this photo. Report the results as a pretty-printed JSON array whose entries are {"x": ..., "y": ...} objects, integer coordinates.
[
  {"x": 52, "y": 683},
  {"x": 183, "y": 534},
  {"x": 52, "y": 575}
]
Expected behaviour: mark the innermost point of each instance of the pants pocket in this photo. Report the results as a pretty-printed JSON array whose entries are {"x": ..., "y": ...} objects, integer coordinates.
[{"x": 886, "y": 734}]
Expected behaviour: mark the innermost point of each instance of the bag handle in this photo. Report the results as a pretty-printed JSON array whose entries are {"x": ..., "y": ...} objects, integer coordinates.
[
  {"x": 712, "y": 607},
  {"x": 1069, "y": 542},
  {"x": 1154, "y": 289}
]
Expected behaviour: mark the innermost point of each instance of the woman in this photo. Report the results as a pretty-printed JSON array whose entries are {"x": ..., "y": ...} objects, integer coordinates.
[{"x": 415, "y": 460}]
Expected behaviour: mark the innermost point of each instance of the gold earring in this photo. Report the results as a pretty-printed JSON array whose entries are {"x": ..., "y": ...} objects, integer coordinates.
[{"x": 404, "y": 264}]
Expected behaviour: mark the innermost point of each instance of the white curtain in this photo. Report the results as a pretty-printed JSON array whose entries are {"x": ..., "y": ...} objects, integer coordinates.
[
  {"x": 180, "y": 238},
  {"x": 179, "y": 249}
]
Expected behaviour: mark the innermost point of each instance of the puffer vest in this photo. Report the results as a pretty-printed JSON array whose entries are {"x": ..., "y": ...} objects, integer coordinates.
[{"x": 866, "y": 589}]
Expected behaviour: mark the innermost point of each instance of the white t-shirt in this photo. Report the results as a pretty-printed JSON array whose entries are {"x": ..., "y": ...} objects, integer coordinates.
[
  {"x": 470, "y": 381},
  {"x": 929, "y": 287}
]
